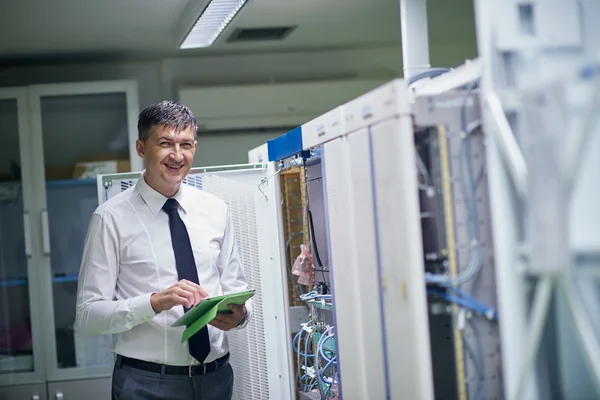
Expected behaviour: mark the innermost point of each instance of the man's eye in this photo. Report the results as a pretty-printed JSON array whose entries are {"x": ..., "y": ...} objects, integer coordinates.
[
  {"x": 186, "y": 146},
  {"x": 164, "y": 144}
]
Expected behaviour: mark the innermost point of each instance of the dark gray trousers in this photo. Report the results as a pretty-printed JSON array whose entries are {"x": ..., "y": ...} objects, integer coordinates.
[{"x": 134, "y": 384}]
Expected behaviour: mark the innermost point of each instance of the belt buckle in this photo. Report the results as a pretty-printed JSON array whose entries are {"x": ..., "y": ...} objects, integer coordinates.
[{"x": 192, "y": 366}]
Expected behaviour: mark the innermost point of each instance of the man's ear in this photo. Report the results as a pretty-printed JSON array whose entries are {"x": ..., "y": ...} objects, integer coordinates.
[{"x": 139, "y": 147}]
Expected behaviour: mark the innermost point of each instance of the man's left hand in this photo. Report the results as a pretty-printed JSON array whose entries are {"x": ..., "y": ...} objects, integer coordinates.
[{"x": 227, "y": 321}]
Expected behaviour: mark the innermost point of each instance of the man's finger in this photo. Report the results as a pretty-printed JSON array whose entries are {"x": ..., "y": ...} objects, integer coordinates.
[
  {"x": 182, "y": 293},
  {"x": 225, "y": 318},
  {"x": 194, "y": 288},
  {"x": 180, "y": 300},
  {"x": 203, "y": 292},
  {"x": 219, "y": 325}
]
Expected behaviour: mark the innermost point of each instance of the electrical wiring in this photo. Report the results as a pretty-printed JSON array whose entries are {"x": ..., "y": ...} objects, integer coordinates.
[
  {"x": 265, "y": 180},
  {"x": 308, "y": 220},
  {"x": 325, "y": 384},
  {"x": 312, "y": 295},
  {"x": 302, "y": 357},
  {"x": 464, "y": 300},
  {"x": 311, "y": 374},
  {"x": 469, "y": 187},
  {"x": 430, "y": 73}
]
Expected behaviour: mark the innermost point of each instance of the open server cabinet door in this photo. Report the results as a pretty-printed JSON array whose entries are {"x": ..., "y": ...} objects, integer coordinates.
[{"x": 257, "y": 352}]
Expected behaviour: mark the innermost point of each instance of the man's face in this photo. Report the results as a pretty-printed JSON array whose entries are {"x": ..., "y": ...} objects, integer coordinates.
[{"x": 169, "y": 156}]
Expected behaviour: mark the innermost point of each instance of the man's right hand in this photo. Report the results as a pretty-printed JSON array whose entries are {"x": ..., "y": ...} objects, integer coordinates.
[{"x": 184, "y": 293}]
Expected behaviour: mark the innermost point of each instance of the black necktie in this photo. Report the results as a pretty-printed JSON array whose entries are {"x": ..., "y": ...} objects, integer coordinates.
[{"x": 199, "y": 344}]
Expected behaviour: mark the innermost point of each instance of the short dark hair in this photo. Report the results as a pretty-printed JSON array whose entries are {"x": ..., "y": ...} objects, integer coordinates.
[{"x": 166, "y": 113}]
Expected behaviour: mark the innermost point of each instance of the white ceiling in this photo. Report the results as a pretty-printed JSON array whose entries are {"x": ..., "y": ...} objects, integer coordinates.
[{"x": 133, "y": 28}]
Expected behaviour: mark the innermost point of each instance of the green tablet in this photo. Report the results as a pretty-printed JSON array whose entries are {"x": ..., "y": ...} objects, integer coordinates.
[{"x": 202, "y": 313}]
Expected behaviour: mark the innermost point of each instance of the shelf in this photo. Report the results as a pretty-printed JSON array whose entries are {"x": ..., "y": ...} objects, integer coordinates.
[
  {"x": 71, "y": 182},
  {"x": 24, "y": 281}
]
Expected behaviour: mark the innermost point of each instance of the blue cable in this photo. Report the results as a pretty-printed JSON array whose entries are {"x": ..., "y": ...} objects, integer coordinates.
[
  {"x": 295, "y": 341},
  {"x": 466, "y": 301},
  {"x": 430, "y": 73},
  {"x": 320, "y": 345}
]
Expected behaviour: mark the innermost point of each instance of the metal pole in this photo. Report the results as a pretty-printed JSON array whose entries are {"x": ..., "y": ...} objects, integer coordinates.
[{"x": 415, "y": 38}]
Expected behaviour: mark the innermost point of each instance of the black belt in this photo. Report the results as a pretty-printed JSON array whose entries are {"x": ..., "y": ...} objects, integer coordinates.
[{"x": 189, "y": 370}]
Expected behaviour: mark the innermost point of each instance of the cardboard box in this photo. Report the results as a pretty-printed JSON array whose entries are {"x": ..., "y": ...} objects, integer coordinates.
[
  {"x": 58, "y": 172},
  {"x": 90, "y": 167}
]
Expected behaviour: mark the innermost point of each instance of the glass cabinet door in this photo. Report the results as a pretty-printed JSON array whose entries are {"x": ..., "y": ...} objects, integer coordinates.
[
  {"x": 21, "y": 358},
  {"x": 84, "y": 131}
]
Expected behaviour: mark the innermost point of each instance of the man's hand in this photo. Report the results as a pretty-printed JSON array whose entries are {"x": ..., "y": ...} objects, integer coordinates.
[
  {"x": 227, "y": 321},
  {"x": 184, "y": 293}
]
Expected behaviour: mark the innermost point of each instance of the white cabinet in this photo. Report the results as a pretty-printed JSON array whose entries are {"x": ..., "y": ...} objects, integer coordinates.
[
  {"x": 43, "y": 221},
  {"x": 260, "y": 353}
]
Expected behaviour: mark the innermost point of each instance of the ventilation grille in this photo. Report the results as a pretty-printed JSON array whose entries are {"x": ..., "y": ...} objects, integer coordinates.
[
  {"x": 248, "y": 347},
  {"x": 260, "y": 34}
]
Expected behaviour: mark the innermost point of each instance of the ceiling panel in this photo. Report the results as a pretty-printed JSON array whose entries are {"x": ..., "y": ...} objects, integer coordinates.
[{"x": 145, "y": 27}]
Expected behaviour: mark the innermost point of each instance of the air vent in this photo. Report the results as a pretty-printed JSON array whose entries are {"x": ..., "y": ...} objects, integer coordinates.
[{"x": 260, "y": 34}]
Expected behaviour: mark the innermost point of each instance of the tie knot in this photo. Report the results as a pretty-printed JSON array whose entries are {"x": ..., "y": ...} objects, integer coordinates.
[{"x": 170, "y": 205}]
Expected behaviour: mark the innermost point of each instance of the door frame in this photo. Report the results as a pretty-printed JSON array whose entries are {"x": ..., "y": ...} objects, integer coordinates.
[
  {"x": 38, "y": 375},
  {"x": 35, "y": 94}
]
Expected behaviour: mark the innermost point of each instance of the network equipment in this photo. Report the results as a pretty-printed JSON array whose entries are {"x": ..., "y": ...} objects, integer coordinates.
[
  {"x": 435, "y": 238},
  {"x": 404, "y": 186}
]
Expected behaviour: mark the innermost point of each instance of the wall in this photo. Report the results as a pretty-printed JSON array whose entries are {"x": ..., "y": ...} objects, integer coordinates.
[{"x": 158, "y": 79}]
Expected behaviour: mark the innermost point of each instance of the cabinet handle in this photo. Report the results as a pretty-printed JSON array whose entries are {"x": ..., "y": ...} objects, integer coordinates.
[
  {"x": 45, "y": 233},
  {"x": 59, "y": 396},
  {"x": 35, "y": 396},
  {"x": 27, "y": 233}
]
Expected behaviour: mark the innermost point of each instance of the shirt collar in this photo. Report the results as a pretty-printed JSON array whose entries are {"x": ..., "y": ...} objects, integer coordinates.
[{"x": 155, "y": 201}]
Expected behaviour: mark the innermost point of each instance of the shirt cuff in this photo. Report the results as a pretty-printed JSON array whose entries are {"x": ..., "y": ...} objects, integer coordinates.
[{"x": 141, "y": 309}]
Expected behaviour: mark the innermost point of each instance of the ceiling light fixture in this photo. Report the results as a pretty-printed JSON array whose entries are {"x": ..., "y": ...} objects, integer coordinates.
[{"x": 211, "y": 23}]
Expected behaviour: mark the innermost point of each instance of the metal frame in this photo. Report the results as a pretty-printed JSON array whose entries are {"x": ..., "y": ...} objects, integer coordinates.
[
  {"x": 507, "y": 32},
  {"x": 444, "y": 109},
  {"x": 35, "y": 94}
]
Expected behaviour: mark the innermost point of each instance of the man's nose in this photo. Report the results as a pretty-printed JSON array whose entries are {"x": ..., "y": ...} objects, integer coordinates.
[{"x": 176, "y": 154}]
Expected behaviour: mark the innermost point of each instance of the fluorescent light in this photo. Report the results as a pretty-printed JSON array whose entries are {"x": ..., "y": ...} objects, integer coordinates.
[{"x": 211, "y": 23}]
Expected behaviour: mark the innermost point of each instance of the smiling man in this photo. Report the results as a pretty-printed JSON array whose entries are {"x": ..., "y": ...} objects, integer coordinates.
[{"x": 151, "y": 253}]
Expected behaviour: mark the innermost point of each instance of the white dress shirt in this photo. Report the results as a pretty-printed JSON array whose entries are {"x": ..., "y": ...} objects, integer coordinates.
[{"x": 128, "y": 255}]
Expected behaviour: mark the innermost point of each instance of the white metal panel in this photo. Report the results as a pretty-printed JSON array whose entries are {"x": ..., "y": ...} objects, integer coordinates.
[
  {"x": 401, "y": 259},
  {"x": 259, "y": 154},
  {"x": 324, "y": 128},
  {"x": 268, "y": 105},
  {"x": 349, "y": 335},
  {"x": 368, "y": 278},
  {"x": 260, "y": 352},
  {"x": 386, "y": 101}
]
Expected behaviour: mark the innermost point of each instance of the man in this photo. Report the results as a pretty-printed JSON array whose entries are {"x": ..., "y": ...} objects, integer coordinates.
[{"x": 153, "y": 252}]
